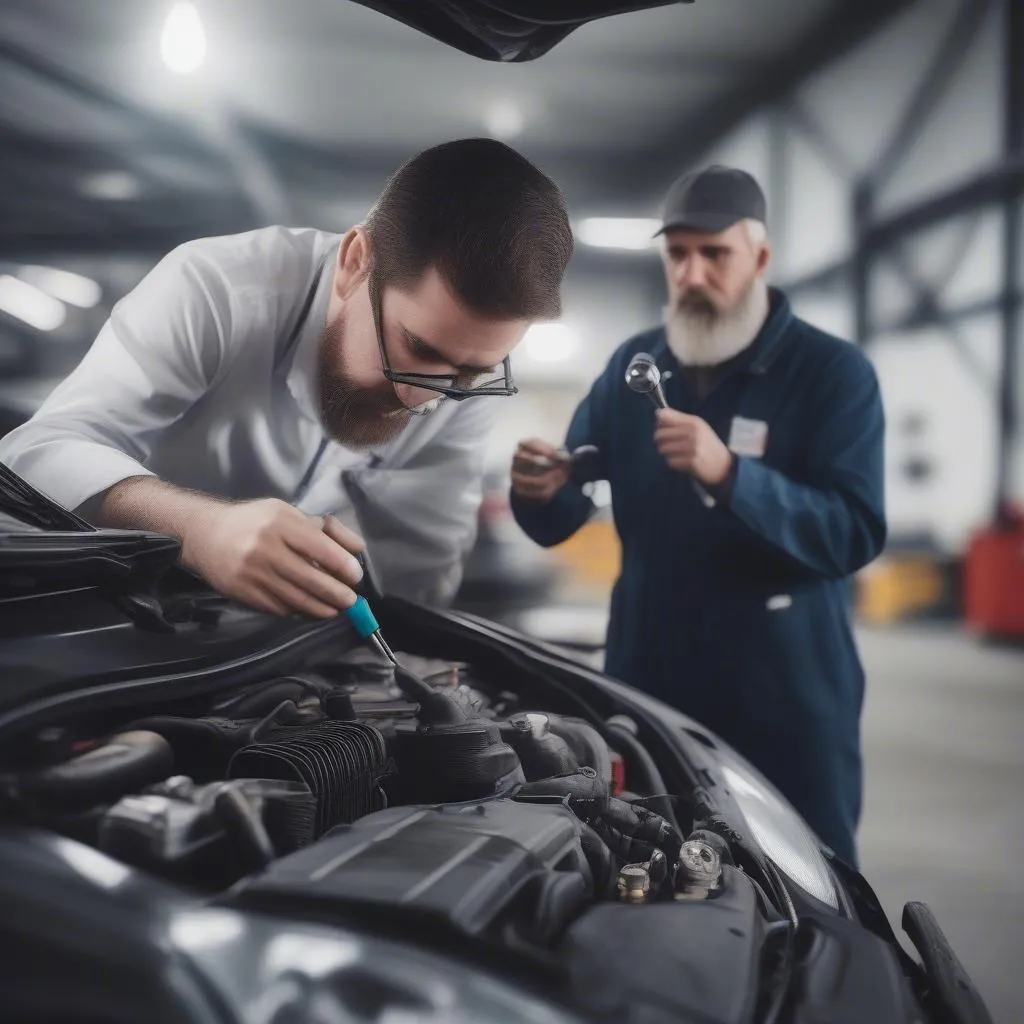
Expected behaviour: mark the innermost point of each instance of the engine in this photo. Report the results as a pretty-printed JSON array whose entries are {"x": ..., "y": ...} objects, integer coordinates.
[{"x": 368, "y": 789}]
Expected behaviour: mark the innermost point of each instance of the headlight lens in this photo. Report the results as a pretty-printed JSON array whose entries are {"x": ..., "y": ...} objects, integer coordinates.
[{"x": 779, "y": 830}]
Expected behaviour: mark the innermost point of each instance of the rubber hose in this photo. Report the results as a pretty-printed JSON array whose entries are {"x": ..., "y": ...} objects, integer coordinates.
[{"x": 660, "y": 802}]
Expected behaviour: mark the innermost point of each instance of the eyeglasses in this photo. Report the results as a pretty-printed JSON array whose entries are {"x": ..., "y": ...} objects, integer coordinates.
[{"x": 497, "y": 385}]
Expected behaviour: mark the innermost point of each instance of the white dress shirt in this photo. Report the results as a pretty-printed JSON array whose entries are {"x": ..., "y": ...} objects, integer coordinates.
[{"x": 205, "y": 375}]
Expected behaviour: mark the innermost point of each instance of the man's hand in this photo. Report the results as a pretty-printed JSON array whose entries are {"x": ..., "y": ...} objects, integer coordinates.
[
  {"x": 539, "y": 471},
  {"x": 269, "y": 555},
  {"x": 689, "y": 445}
]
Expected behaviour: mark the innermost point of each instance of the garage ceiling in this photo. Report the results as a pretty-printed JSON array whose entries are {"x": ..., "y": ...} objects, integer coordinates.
[{"x": 302, "y": 109}]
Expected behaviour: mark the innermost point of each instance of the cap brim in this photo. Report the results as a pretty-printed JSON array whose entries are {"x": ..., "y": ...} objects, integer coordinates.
[{"x": 710, "y": 223}]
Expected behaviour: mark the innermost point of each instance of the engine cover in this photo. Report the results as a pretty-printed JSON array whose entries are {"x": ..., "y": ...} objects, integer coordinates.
[{"x": 474, "y": 867}]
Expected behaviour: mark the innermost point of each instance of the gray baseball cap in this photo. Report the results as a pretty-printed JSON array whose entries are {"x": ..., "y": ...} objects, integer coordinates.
[{"x": 712, "y": 200}]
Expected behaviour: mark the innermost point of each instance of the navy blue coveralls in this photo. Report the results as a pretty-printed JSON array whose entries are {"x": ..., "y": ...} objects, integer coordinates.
[{"x": 738, "y": 615}]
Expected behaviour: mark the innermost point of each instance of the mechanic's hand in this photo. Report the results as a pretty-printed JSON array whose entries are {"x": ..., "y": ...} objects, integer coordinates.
[
  {"x": 269, "y": 555},
  {"x": 689, "y": 445},
  {"x": 539, "y": 470}
]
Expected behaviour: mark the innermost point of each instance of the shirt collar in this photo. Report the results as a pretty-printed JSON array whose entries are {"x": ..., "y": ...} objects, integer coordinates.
[{"x": 302, "y": 363}]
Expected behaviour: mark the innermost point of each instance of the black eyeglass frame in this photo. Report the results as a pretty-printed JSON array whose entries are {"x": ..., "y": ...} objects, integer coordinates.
[{"x": 506, "y": 388}]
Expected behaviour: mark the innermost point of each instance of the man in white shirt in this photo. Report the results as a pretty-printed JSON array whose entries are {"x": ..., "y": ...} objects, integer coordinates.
[{"x": 279, "y": 399}]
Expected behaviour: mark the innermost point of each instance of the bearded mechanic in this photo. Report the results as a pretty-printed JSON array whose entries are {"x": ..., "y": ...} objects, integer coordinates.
[
  {"x": 734, "y": 608},
  {"x": 280, "y": 399}
]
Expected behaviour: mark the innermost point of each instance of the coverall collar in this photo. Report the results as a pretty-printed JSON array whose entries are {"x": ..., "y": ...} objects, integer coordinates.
[{"x": 765, "y": 348}]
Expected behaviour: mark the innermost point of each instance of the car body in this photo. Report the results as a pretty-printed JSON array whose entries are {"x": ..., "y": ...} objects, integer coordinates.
[{"x": 505, "y": 836}]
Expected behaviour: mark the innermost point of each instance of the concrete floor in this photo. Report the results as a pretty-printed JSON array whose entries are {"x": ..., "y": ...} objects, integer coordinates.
[{"x": 944, "y": 796}]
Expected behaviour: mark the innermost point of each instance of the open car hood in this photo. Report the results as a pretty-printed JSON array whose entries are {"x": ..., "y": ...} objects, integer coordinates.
[
  {"x": 44, "y": 547},
  {"x": 504, "y": 30},
  {"x": 22, "y": 502}
]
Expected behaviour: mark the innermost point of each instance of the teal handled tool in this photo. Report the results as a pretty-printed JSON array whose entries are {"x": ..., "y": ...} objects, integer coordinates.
[
  {"x": 361, "y": 616},
  {"x": 365, "y": 624}
]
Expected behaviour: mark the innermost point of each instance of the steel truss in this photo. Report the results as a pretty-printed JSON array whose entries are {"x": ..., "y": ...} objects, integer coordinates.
[{"x": 882, "y": 240}]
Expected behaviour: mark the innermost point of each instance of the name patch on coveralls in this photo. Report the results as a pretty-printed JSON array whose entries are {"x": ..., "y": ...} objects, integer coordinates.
[{"x": 748, "y": 437}]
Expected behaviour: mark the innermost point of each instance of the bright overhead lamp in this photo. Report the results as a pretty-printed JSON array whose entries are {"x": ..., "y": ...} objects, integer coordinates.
[
  {"x": 74, "y": 289},
  {"x": 27, "y": 303},
  {"x": 551, "y": 343},
  {"x": 183, "y": 40},
  {"x": 504, "y": 120},
  {"x": 630, "y": 233}
]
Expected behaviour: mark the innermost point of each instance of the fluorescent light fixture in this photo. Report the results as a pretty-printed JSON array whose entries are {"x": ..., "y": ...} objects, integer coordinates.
[
  {"x": 74, "y": 289},
  {"x": 504, "y": 120},
  {"x": 183, "y": 40},
  {"x": 117, "y": 186},
  {"x": 631, "y": 233},
  {"x": 551, "y": 343},
  {"x": 27, "y": 303}
]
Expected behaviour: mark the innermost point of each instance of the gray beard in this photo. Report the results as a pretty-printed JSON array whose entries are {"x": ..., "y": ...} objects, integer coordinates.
[
  {"x": 352, "y": 416},
  {"x": 700, "y": 336}
]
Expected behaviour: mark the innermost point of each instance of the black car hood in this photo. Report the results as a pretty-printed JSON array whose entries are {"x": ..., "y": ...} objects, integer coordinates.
[
  {"x": 22, "y": 502},
  {"x": 45, "y": 548},
  {"x": 510, "y": 31}
]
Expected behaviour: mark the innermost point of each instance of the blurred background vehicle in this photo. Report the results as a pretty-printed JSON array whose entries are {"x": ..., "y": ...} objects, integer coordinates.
[{"x": 506, "y": 574}]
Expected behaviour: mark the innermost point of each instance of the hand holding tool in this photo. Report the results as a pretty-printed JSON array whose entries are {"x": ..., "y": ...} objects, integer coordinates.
[{"x": 644, "y": 377}]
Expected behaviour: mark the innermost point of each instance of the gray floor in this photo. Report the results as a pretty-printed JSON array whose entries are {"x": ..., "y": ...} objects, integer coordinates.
[{"x": 944, "y": 796}]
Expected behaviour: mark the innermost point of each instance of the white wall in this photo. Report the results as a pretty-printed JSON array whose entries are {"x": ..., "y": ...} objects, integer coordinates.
[{"x": 922, "y": 375}]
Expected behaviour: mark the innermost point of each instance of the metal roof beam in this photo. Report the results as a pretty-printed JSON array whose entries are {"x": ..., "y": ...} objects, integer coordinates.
[
  {"x": 837, "y": 32},
  {"x": 949, "y": 57},
  {"x": 217, "y": 132},
  {"x": 998, "y": 184}
]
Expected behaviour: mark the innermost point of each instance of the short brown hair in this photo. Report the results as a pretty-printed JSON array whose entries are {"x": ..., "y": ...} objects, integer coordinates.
[{"x": 492, "y": 224}]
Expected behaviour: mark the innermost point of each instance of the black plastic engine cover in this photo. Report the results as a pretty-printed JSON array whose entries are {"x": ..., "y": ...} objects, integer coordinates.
[
  {"x": 472, "y": 866},
  {"x": 669, "y": 962}
]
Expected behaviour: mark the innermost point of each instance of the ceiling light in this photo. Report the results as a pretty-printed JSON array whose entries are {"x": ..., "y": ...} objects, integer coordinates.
[
  {"x": 504, "y": 120},
  {"x": 117, "y": 186},
  {"x": 551, "y": 343},
  {"x": 27, "y": 303},
  {"x": 74, "y": 289},
  {"x": 183, "y": 40},
  {"x": 633, "y": 233}
]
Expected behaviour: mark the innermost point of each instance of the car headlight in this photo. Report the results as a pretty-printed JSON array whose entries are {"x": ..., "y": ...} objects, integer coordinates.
[{"x": 780, "y": 832}]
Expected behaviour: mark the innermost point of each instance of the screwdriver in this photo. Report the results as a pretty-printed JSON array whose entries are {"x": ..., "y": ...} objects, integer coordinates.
[
  {"x": 365, "y": 624},
  {"x": 361, "y": 616}
]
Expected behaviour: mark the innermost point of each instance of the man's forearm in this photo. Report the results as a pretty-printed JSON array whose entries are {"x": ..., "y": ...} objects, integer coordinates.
[{"x": 148, "y": 503}]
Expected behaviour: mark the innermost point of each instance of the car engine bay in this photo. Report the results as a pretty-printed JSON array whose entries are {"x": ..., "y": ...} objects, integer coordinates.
[{"x": 418, "y": 799}]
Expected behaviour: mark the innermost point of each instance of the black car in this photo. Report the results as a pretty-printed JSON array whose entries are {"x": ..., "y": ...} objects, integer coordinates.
[{"x": 211, "y": 814}]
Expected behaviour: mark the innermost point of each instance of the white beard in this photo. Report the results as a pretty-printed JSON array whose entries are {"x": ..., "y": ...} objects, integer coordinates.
[{"x": 699, "y": 339}]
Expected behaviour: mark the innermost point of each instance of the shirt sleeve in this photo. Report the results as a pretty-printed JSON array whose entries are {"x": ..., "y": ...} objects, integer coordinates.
[
  {"x": 154, "y": 357},
  {"x": 420, "y": 518},
  {"x": 832, "y": 520},
  {"x": 570, "y": 508}
]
